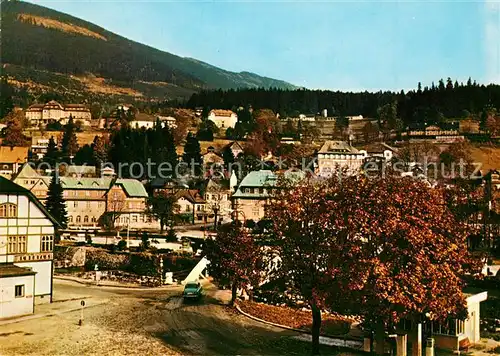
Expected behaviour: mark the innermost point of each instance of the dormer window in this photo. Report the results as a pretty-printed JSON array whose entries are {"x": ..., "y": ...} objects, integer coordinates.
[{"x": 8, "y": 210}]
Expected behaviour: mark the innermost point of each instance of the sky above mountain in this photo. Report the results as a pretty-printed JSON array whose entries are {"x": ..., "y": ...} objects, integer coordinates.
[{"x": 345, "y": 45}]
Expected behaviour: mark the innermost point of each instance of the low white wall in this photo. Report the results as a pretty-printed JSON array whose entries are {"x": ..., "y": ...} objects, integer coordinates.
[{"x": 10, "y": 306}]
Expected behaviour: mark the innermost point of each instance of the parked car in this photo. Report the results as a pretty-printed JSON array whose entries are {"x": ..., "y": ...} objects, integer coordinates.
[{"x": 192, "y": 290}]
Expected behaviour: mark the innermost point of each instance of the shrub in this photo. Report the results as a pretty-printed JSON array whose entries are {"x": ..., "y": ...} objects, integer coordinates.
[
  {"x": 171, "y": 236},
  {"x": 144, "y": 264},
  {"x": 105, "y": 260},
  {"x": 122, "y": 245}
]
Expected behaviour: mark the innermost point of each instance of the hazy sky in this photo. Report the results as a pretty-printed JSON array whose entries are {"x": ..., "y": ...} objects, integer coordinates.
[{"x": 347, "y": 45}]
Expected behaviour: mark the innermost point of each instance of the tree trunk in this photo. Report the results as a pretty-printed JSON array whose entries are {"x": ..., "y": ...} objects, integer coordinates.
[
  {"x": 379, "y": 338},
  {"x": 316, "y": 326},
  {"x": 234, "y": 289},
  {"x": 215, "y": 219},
  {"x": 161, "y": 226}
]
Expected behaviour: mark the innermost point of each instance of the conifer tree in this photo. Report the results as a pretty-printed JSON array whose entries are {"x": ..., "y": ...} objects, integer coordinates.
[
  {"x": 192, "y": 153},
  {"x": 69, "y": 144},
  {"x": 52, "y": 155},
  {"x": 55, "y": 203}
]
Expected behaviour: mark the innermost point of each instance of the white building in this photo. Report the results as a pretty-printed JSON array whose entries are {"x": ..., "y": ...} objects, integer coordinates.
[
  {"x": 43, "y": 114},
  {"x": 223, "y": 118},
  {"x": 379, "y": 150},
  {"x": 338, "y": 155},
  {"x": 146, "y": 121},
  {"x": 26, "y": 251}
]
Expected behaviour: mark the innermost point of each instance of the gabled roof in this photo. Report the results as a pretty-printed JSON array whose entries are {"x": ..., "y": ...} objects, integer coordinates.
[
  {"x": 54, "y": 103},
  {"x": 86, "y": 183},
  {"x": 377, "y": 147},
  {"x": 9, "y": 187},
  {"x": 337, "y": 147},
  {"x": 80, "y": 170},
  {"x": 132, "y": 187},
  {"x": 28, "y": 172},
  {"x": 236, "y": 145},
  {"x": 262, "y": 179},
  {"x": 191, "y": 195},
  {"x": 13, "y": 154},
  {"x": 213, "y": 185},
  {"x": 222, "y": 112}
]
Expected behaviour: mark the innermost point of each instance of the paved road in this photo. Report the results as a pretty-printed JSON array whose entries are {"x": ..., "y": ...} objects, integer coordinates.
[{"x": 149, "y": 322}]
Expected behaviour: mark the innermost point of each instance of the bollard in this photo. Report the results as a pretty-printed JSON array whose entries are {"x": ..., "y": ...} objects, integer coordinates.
[
  {"x": 429, "y": 347},
  {"x": 82, "y": 303}
]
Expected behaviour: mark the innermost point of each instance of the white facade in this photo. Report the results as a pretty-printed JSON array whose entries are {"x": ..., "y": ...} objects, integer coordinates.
[
  {"x": 26, "y": 241},
  {"x": 147, "y": 122},
  {"x": 335, "y": 156},
  {"x": 139, "y": 124},
  {"x": 16, "y": 295},
  {"x": 223, "y": 118},
  {"x": 53, "y": 111}
]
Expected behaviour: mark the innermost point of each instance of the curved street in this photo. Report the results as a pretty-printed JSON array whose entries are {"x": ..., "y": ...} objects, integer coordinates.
[{"x": 147, "y": 322}]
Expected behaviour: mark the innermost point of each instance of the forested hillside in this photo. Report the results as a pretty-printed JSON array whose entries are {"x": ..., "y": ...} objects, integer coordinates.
[
  {"x": 434, "y": 103},
  {"x": 38, "y": 42}
]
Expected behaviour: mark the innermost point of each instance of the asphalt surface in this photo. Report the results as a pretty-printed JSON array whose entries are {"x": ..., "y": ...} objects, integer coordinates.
[{"x": 150, "y": 322}]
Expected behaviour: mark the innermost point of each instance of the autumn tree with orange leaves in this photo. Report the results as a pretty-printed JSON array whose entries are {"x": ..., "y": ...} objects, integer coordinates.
[
  {"x": 234, "y": 258},
  {"x": 383, "y": 248}
]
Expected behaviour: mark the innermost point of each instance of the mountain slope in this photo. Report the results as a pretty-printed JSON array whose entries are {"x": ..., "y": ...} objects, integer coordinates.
[{"x": 44, "y": 40}]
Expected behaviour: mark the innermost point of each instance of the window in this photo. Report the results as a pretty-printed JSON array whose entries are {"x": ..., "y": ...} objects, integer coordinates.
[
  {"x": 75, "y": 204},
  {"x": 78, "y": 218},
  {"x": 16, "y": 244},
  {"x": 70, "y": 219},
  {"x": 188, "y": 207},
  {"x": 88, "y": 205},
  {"x": 19, "y": 291},
  {"x": 86, "y": 219},
  {"x": 47, "y": 244},
  {"x": 93, "y": 219},
  {"x": 451, "y": 327},
  {"x": 8, "y": 210},
  {"x": 134, "y": 218}
]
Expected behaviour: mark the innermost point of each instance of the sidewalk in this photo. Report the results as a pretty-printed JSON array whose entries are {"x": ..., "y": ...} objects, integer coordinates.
[
  {"x": 56, "y": 308},
  {"x": 114, "y": 285}
]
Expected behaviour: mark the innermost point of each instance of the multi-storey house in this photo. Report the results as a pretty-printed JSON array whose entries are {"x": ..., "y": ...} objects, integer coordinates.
[
  {"x": 43, "y": 114},
  {"x": 26, "y": 251},
  {"x": 223, "y": 118},
  {"x": 217, "y": 196},
  {"x": 126, "y": 202},
  {"x": 251, "y": 198},
  {"x": 335, "y": 156}
]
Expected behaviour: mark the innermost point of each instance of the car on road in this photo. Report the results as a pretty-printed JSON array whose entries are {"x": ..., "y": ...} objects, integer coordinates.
[{"x": 192, "y": 290}]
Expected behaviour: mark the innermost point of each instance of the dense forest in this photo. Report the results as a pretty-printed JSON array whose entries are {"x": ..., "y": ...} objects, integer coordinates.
[{"x": 448, "y": 99}]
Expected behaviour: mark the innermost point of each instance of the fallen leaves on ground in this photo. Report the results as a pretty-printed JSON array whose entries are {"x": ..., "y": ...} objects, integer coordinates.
[{"x": 296, "y": 318}]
